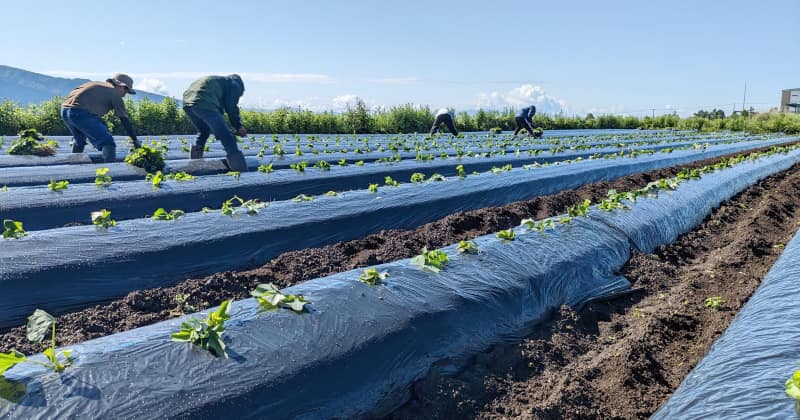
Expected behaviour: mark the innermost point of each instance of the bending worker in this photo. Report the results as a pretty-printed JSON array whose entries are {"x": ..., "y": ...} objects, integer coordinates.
[
  {"x": 443, "y": 116},
  {"x": 86, "y": 104},
  {"x": 204, "y": 102},
  {"x": 524, "y": 120}
]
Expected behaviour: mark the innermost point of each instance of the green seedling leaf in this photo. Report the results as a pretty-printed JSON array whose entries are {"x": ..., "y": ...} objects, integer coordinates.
[
  {"x": 460, "y": 171},
  {"x": 9, "y": 360},
  {"x": 102, "y": 219},
  {"x": 417, "y": 177},
  {"x": 467, "y": 247},
  {"x": 302, "y": 198},
  {"x": 39, "y": 325},
  {"x": 391, "y": 182},
  {"x": 371, "y": 276},
  {"x": 234, "y": 174},
  {"x": 507, "y": 235},
  {"x": 437, "y": 178},
  {"x": 12, "y": 229},
  {"x": 434, "y": 260},
  {"x": 58, "y": 185},
  {"x": 270, "y": 298},
  {"x": 161, "y": 214},
  {"x": 265, "y": 168},
  {"x": 373, "y": 188},
  {"x": 102, "y": 179},
  {"x": 793, "y": 385},
  {"x": 155, "y": 179},
  {"x": 332, "y": 193},
  {"x": 323, "y": 165},
  {"x": 181, "y": 176}
]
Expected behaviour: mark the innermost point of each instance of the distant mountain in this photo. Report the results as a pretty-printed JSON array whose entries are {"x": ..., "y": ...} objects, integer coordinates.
[{"x": 26, "y": 87}]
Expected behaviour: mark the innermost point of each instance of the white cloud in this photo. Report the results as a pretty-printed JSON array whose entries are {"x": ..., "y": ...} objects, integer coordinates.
[
  {"x": 314, "y": 103},
  {"x": 152, "y": 85},
  {"x": 521, "y": 96}
]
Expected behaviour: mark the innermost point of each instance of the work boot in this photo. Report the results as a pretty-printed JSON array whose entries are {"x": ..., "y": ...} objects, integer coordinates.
[
  {"x": 109, "y": 153},
  {"x": 236, "y": 162},
  {"x": 77, "y": 148},
  {"x": 196, "y": 153}
]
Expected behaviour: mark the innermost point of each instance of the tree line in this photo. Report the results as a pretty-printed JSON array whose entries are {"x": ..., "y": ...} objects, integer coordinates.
[{"x": 166, "y": 117}]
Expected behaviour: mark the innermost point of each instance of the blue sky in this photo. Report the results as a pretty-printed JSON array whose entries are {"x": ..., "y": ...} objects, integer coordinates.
[{"x": 579, "y": 56}]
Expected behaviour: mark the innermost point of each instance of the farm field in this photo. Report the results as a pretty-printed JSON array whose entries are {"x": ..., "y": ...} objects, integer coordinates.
[{"x": 483, "y": 275}]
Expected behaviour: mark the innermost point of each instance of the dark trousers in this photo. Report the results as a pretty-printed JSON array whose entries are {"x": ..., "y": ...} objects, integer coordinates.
[
  {"x": 447, "y": 119},
  {"x": 206, "y": 122},
  {"x": 523, "y": 124}
]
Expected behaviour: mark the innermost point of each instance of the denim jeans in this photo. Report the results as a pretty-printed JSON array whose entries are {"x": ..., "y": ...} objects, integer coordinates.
[
  {"x": 82, "y": 124},
  {"x": 211, "y": 121}
]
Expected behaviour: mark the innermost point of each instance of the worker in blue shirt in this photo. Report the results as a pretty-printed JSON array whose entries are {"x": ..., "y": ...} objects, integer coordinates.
[{"x": 524, "y": 120}]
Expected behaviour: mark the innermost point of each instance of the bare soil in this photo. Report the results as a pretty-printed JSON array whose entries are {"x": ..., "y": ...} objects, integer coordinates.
[
  {"x": 623, "y": 358},
  {"x": 145, "y": 307}
]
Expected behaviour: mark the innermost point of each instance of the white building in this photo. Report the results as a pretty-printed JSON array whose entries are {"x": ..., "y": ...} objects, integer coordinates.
[{"x": 790, "y": 100}]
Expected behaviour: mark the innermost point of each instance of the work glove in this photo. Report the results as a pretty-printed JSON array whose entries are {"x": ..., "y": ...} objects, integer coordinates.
[{"x": 241, "y": 132}]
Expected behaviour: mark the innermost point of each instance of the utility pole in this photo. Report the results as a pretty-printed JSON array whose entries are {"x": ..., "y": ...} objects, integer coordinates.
[
  {"x": 654, "y": 113},
  {"x": 744, "y": 98}
]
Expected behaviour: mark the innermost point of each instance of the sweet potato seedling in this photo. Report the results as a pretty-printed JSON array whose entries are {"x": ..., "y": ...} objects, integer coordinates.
[
  {"x": 102, "y": 219},
  {"x": 234, "y": 174},
  {"x": 155, "y": 179},
  {"x": 299, "y": 167},
  {"x": 506, "y": 235},
  {"x": 332, "y": 193},
  {"x": 579, "y": 210},
  {"x": 58, "y": 185},
  {"x": 206, "y": 333},
  {"x": 323, "y": 165},
  {"x": 161, "y": 214},
  {"x": 302, "y": 198},
  {"x": 391, "y": 182},
  {"x": 149, "y": 158},
  {"x": 12, "y": 229},
  {"x": 270, "y": 298},
  {"x": 373, "y": 188},
  {"x": 371, "y": 276},
  {"x": 460, "y": 171},
  {"x": 266, "y": 169},
  {"x": 437, "y": 178},
  {"x": 417, "y": 177},
  {"x": 39, "y": 325},
  {"x": 434, "y": 260},
  {"x": 467, "y": 247},
  {"x": 792, "y": 387},
  {"x": 101, "y": 177}
]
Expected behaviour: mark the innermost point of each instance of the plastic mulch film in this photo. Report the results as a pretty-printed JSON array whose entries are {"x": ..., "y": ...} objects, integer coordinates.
[{"x": 38, "y": 208}]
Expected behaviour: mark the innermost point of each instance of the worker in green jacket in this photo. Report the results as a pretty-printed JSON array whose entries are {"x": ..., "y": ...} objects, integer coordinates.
[{"x": 204, "y": 102}]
